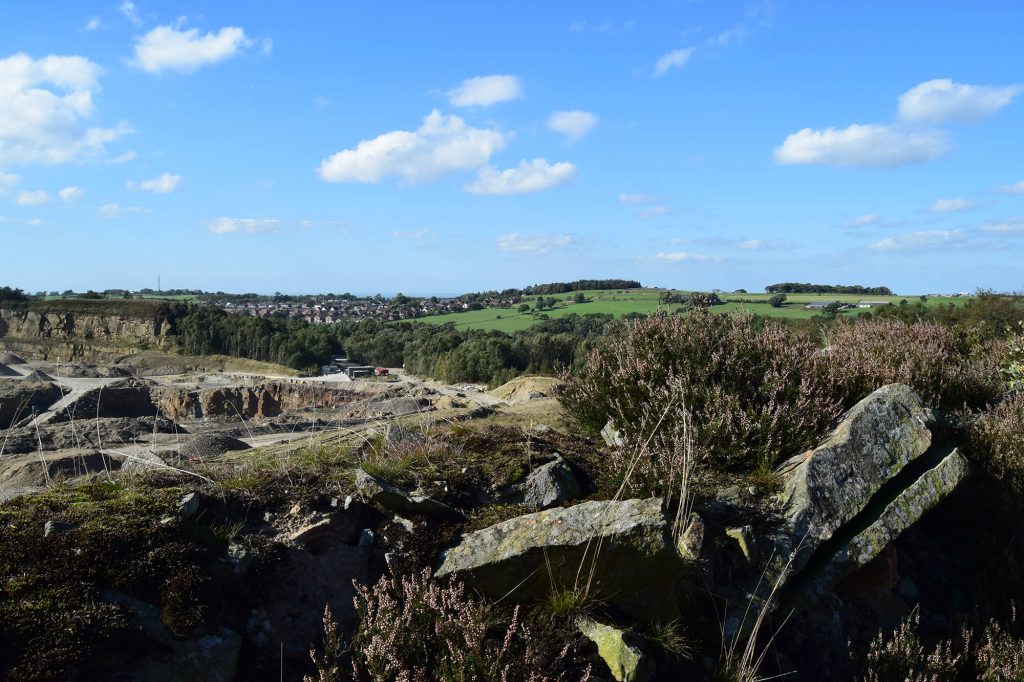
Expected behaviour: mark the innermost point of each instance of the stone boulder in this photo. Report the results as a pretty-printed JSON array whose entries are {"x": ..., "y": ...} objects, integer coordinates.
[
  {"x": 397, "y": 500},
  {"x": 619, "y": 649},
  {"x": 625, "y": 545},
  {"x": 825, "y": 488},
  {"x": 546, "y": 486}
]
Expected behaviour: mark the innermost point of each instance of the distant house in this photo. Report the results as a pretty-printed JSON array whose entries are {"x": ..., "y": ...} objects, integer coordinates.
[
  {"x": 819, "y": 305},
  {"x": 873, "y": 304}
]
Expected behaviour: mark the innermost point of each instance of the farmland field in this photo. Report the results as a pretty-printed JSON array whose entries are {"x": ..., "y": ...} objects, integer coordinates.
[{"x": 646, "y": 301}]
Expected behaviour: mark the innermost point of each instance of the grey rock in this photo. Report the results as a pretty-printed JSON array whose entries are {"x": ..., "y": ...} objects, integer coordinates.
[
  {"x": 366, "y": 538},
  {"x": 397, "y": 500},
  {"x": 240, "y": 557},
  {"x": 612, "y": 437},
  {"x": 56, "y": 528},
  {"x": 546, "y": 486},
  {"x": 188, "y": 506},
  {"x": 633, "y": 571},
  {"x": 826, "y": 487},
  {"x": 923, "y": 494}
]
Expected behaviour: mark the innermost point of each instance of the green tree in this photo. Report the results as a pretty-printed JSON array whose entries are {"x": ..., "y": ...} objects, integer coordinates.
[
  {"x": 777, "y": 300},
  {"x": 523, "y": 308}
]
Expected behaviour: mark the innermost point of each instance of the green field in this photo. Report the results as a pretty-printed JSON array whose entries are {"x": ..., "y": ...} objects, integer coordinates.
[{"x": 646, "y": 301}]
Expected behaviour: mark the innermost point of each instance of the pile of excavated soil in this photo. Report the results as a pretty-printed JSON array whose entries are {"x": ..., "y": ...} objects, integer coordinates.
[
  {"x": 38, "y": 375},
  {"x": 6, "y": 371},
  {"x": 525, "y": 389},
  {"x": 10, "y": 359},
  {"x": 204, "y": 445}
]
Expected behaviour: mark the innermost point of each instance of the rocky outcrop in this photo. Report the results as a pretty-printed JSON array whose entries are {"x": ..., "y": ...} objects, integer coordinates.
[
  {"x": 28, "y": 473},
  {"x": 625, "y": 545},
  {"x": 825, "y": 488},
  {"x": 845, "y": 501}
]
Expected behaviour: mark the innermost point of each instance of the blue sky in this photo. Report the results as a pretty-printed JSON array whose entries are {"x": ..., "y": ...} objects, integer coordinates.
[{"x": 450, "y": 147}]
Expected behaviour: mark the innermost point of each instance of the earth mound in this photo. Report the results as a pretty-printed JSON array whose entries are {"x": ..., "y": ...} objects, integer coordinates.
[
  {"x": 9, "y": 358},
  {"x": 206, "y": 445},
  {"x": 525, "y": 389},
  {"x": 6, "y": 371},
  {"x": 38, "y": 375}
]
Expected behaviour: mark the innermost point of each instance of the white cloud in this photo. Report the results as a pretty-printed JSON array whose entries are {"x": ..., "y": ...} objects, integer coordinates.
[
  {"x": 529, "y": 176},
  {"x": 920, "y": 241},
  {"x": 485, "y": 90},
  {"x": 127, "y": 8},
  {"x": 72, "y": 193},
  {"x": 679, "y": 256},
  {"x": 93, "y": 24},
  {"x": 637, "y": 198},
  {"x": 246, "y": 225},
  {"x": 1009, "y": 226},
  {"x": 36, "y": 198},
  {"x": 671, "y": 60},
  {"x": 168, "y": 48},
  {"x": 35, "y": 222},
  {"x": 752, "y": 245},
  {"x": 573, "y": 124},
  {"x": 541, "y": 243},
  {"x": 951, "y": 205},
  {"x": 122, "y": 158},
  {"x": 1012, "y": 188},
  {"x": 606, "y": 27},
  {"x": 413, "y": 235},
  {"x": 116, "y": 210},
  {"x": 864, "y": 220},
  {"x": 44, "y": 104},
  {"x": 654, "y": 212},
  {"x": 441, "y": 145},
  {"x": 162, "y": 184},
  {"x": 869, "y": 145},
  {"x": 941, "y": 100},
  {"x": 7, "y": 181}
]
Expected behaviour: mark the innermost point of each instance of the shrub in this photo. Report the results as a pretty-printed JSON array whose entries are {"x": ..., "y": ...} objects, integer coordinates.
[
  {"x": 945, "y": 369},
  {"x": 996, "y": 441},
  {"x": 413, "y": 628},
  {"x": 756, "y": 390}
]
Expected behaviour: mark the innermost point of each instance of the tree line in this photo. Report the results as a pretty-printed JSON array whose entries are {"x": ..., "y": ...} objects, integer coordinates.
[{"x": 798, "y": 288}]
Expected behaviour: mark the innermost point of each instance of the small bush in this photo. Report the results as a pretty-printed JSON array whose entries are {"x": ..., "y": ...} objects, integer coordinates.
[
  {"x": 946, "y": 369},
  {"x": 996, "y": 441},
  {"x": 755, "y": 389},
  {"x": 414, "y": 628}
]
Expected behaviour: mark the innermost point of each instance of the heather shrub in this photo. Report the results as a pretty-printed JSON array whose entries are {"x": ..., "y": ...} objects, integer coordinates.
[
  {"x": 989, "y": 654},
  {"x": 755, "y": 389},
  {"x": 414, "y": 629},
  {"x": 996, "y": 441},
  {"x": 945, "y": 368},
  {"x": 1012, "y": 369}
]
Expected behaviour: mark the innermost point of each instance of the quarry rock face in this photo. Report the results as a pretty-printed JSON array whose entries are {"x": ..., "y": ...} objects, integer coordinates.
[
  {"x": 263, "y": 401},
  {"x": 634, "y": 569},
  {"x": 70, "y": 335}
]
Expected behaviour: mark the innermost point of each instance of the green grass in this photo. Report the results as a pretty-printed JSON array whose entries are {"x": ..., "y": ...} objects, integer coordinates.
[{"x": 646, "y": 301}]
